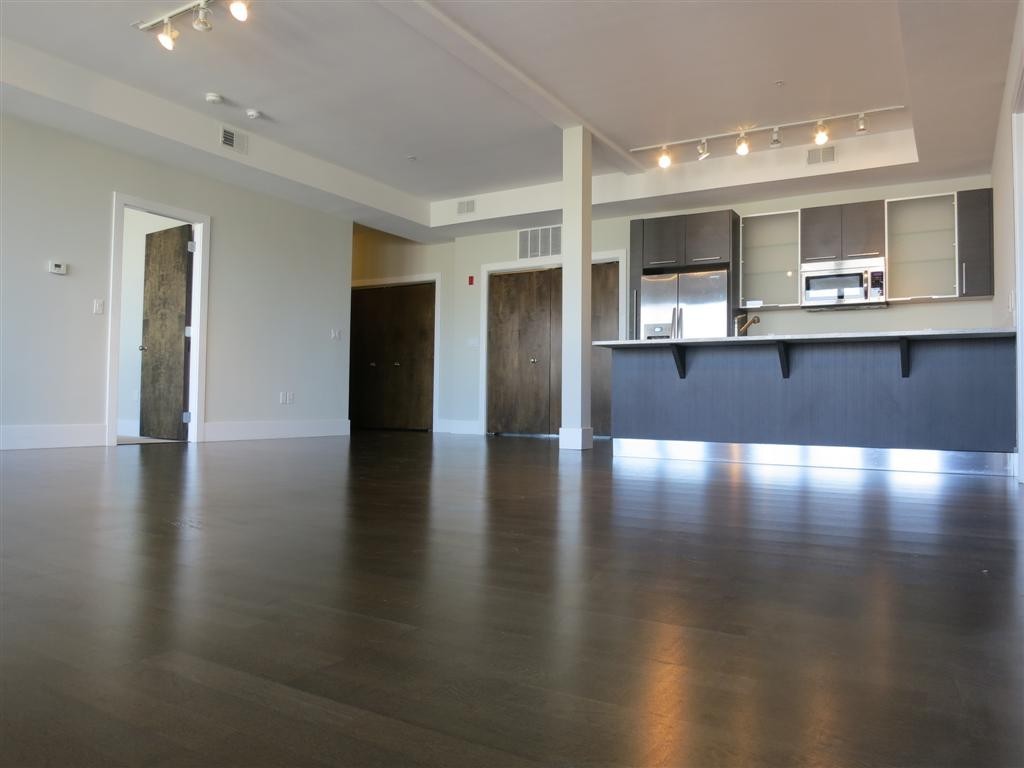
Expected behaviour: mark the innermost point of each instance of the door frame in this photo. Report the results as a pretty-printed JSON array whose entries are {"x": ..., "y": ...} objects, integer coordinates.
[
  {"x": 427, "y": 277},
  {"x": 535, "y": 265},
  {"x": 200, "y": 290}
]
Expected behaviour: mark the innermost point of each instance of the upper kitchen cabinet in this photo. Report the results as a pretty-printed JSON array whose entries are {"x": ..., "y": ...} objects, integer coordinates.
[
  {"x": 974, "y": 243},
  {"x": 834, "y": 232},
  {"x": 770, "y": 260},
  {"x": 864, "y": 229},
  {"x": 922, "y": 247},
  {"x": 711, "y": 238},
  {"x": 821, "y": 233},
  {"x": 664, "y": 241}
]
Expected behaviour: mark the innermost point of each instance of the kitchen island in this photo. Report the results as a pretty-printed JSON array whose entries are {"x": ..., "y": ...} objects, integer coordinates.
[{"x": 949, "y": 391}]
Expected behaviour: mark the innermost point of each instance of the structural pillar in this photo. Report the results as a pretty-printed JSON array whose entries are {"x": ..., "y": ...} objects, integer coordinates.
[{"x": 576, "y": 432}]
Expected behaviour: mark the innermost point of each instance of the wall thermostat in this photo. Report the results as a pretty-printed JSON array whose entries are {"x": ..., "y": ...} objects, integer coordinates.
[{"x": 58, "y": 267}]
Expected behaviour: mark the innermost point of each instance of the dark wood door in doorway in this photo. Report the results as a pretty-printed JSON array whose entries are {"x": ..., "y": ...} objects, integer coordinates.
[
  {"x": 391, "y": 383},
  {"x": 524, "y": 350},
  {"x": 166, "y": 309}
]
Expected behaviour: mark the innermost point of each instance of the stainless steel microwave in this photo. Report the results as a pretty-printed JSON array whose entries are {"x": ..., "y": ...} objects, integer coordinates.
[{"x": 850, "y": 281}]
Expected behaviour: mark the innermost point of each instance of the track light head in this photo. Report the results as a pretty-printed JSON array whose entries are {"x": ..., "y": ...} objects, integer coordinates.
[
  {"x": 703, "y": 153},
  {"x": 201, "y": 18},
  {"x": 862, "y": 124},
  {"x": 742, "y": 145},
  {"x": 239, "y": 9},
  {"x": 664, "y": 159},
  {"x": 820, "y": 133},
  {"x": 168, "y": 35},
  {"x": 776, "y": 139}
]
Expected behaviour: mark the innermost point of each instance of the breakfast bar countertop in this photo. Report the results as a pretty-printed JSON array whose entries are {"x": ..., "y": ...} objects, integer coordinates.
[{"x": 805, "y": 338}]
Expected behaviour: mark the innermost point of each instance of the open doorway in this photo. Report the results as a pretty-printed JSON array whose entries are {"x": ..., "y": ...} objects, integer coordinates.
[{"x": 157, "y": 300}]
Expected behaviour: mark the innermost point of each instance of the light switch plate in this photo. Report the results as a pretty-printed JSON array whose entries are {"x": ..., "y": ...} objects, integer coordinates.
[
  {"x": 57, "y": 267},
  {"x": 97, "y": 306}
]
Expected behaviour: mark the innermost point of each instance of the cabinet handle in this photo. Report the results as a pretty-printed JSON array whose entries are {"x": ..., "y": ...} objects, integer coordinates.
[
  {"x": 663, "y": 261},
  {"x": 705, "y": 258},
  {"x": 868, "y": 253},
  {"x": 963, "y": 278},
  {"x": 822, "y": 258}
]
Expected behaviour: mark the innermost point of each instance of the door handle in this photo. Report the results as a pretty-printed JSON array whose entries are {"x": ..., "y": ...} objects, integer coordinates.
[
  {"x": 396, "y": 363},
  {"x": 373, "y": 365},
  {"x": 533, "y": 361},
  {"x": 142, "y": 348}
]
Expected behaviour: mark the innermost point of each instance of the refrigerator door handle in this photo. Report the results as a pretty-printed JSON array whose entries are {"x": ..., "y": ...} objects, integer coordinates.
[{"x": 677, "y": 317}]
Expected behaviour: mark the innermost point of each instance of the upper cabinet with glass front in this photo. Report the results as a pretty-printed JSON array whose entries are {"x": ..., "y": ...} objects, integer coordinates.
[
  {"x": 770, "y": 260},
  {"x": 922, "y": 247}
]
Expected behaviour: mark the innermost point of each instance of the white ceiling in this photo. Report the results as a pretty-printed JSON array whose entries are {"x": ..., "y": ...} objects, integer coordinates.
[{"x": 363, "y": 84}]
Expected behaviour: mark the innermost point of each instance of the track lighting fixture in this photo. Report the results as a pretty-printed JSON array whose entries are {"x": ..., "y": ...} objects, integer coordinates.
[
  {"x": 820, "y": 133},
  {"x": 239, "y": 9},
  {"x": 168, "y": 35},
  {"x": 201, "y": 18}
]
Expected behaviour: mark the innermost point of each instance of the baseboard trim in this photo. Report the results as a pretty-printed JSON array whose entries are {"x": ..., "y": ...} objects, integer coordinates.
[
  {"x": 458, "y": 426},
  {"x": 218, "y": 431},
  {"x": 32, "y": 436},
  {"x": 825, "y": 456},
  {"x": 575, "y": 438}
]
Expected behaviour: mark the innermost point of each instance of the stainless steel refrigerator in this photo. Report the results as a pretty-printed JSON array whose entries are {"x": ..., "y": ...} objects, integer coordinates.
[{"x": 687, "y": 305}]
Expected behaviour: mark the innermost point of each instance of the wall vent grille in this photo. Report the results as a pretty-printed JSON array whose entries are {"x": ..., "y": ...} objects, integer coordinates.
[
  {"x": 821, "y": 155},
  {"x": 540, "y": 241},
  {"x": 466, "y": 206},
  {"x": 234, "y": 140}
]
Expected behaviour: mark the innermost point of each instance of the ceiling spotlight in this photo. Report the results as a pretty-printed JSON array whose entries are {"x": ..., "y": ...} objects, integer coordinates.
[
  {"x": 776, "y": 139},
  {"x": 239, "y": 9},
  {"x": 201, "y": 18},
  {"x": 820, "y": 134},
  {"x": 214, "y": 98},
  {"x": 664, "y": 159},
  {"x": 703, "y": 153},
  {"x": 168, "y": 35},
  {"x": 253, "y": 114},
  {"x": 742, "y": 145},
  {"x": 862, "y": 124}
]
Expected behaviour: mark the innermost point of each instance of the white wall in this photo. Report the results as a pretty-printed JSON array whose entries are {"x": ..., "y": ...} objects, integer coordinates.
[
  {"x": 279, "y": 281},
  {"x": 462, "y": 304},
  {"x": 137, "y": 224}
]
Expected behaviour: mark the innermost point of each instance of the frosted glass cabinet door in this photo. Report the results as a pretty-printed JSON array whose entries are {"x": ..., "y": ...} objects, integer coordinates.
[
  {"x": 922, "y": 247},
  {"x": 770, "y": 259}
]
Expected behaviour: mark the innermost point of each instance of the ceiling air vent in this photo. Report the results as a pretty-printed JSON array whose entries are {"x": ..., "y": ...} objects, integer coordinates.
[
  {"x": 466, "y": 206},
  {"x": 234, "y": 140},
  {"x": 540, "y": 241},
  {"x": 821, "y": 155}
]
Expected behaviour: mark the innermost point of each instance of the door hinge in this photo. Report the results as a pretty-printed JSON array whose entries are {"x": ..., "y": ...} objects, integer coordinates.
[
  {"x": 191, "y": 246},
  {"x": 188, "y": 331},
  {"x": 186, "y": 417}
]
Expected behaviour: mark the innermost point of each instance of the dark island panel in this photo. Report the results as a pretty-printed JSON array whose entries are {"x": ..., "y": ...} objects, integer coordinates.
[{"x": 958, "y": 396}]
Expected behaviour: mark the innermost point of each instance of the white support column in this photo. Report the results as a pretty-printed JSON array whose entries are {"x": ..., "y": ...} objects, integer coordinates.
[{"x": 576, "y": 432}]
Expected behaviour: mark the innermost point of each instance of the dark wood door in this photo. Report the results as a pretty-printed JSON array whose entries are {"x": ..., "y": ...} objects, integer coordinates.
[
  {"x": 821, "y": 233},
  {"x": 391, "y": 382},
  {"x": 974, "y": 242},
  {"x": 664, "y": 241},
  {"x": 864, "y": 229},
  {"x": 519, "y": 352},
  {"x": 709, "y": 238},
  {"x": 166, "y": 306}
]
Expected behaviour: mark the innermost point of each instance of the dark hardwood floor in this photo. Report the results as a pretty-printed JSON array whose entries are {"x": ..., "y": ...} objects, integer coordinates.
[{"x": 403, "y": 600}]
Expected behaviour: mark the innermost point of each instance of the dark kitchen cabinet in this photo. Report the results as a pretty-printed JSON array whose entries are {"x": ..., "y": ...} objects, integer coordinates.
[
  {"x": 664, "y": 241},
  {"x": 709, "y": 238},
  {"x": 833, "y": 232},
  {"x": 864, "y": 229},
  {"x": 821, "y": 233},
  {"x": 974, "y": 243}
]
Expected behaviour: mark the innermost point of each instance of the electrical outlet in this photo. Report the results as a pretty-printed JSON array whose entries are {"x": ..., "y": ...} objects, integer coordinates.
[
  {"x": 291, "y": 398},
  {"x": 282, "y": 398},
  {"x": 97, "y": 306}
]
